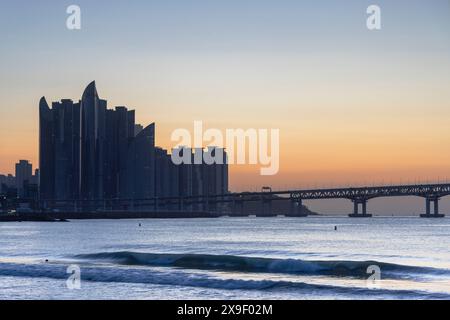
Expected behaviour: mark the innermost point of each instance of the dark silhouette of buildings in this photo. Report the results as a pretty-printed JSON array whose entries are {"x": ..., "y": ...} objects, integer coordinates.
[
  {"x": 22, "y": 188},
  {"x": 89, "y": 152},
  {"x": 7, "y": 180},
  {"x": 8, "y": 187}
]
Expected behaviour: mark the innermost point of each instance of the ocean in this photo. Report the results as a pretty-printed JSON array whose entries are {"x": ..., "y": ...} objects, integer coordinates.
[{"x": 227, "y": 258}]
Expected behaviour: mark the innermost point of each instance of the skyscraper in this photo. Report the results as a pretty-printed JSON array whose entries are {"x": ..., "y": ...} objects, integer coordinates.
[
  {"x": 46, "y": 152},
  {"x": 141, "y": 165},
  {"x": 59, "y": 150},
  {"x": 24, "y": 173},
  {"x": 92, "y": 144},
  {"x": 89, "y": 152},
  {"x": 119, "y": 135},
  {"x": 66, "y": 143}
]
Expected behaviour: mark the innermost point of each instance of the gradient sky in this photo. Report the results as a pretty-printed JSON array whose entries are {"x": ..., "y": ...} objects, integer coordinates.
[{"x": 353, "y": 106}]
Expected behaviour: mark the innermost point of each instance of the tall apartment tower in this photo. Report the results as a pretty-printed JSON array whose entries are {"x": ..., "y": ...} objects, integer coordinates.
[
  {"x": 46, "y": 152},
  {"x": 24, "y": 172},
  {"x": 88, "y": 152},
  {"x": 92, "y": 144},
  {"x": 59, "y": 149},
  {"x": 141, "y": 165}
]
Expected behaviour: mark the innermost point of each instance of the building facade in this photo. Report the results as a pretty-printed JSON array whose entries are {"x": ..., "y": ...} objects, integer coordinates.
[{"x": 24, "y": 174}]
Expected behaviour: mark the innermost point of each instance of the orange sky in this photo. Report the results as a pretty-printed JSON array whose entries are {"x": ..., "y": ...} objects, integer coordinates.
[{"x": 352, "y": 106}]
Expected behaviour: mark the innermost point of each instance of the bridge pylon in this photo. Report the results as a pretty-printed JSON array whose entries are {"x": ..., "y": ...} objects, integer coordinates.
[
  {"x": 238, "y": 208},
  {"x": 296, "y": 206},
  {"x": 428, "y": 213},
  {"x": 356, "y": 213}
]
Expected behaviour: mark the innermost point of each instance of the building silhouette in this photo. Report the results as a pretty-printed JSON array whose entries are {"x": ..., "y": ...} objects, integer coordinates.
[
  {"x": 24, "y": 174},
  {"x": 7, "y": 180},
  {"x": 89, "y": 152}
]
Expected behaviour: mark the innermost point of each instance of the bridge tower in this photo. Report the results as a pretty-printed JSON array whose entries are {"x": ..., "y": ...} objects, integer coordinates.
[
  {"x": 238, "y": 207},
  {"x": 266, "y": 202},
  {"x": 435, "y": 200},
  {"x": 296, "y": 206},
  {"x": 363, "y": 203}
]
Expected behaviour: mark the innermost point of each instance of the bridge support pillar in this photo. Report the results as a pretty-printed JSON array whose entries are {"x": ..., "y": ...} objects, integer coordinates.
[
  {"x": 206, "y": 204},
  {"x": 296, "y": 208},
  {"x": 261, "y": 209},
  {"x": 435, "y": 213},
  {"x": 265, "y": 200},
  {"x": 363, "y": 214},
  {"x": 355, "y": 207},
  {"x": 300, "y": 207},
  {"x": 238, "y": 207},
  {"x": 265, "y": 204}
]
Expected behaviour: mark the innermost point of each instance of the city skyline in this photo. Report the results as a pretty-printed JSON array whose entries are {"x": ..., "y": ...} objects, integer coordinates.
[{"x": 89, "y": 152}]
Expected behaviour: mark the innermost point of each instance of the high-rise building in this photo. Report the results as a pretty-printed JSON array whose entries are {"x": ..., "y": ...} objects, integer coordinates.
[
  {"x": 59, "y": 150},
  {"x": 11, "y": 180},
  {"x": 119, "y": 135},
  {"x": 138, "y": 128},
  {"x": 35, "y": 177},
  {"x": 141, "y": 165},
  {"x": 92, "y": 144},
  {"x": 66, "y": 146},
  {"x": 46, "y": 152},
  {"x": 89, "y": 152},
  {"x": 162, "y": 173},
  {"x": 3, "y": 183},
  {"x": 184, "y": 172},
  {"x": 24, "y": 173}
]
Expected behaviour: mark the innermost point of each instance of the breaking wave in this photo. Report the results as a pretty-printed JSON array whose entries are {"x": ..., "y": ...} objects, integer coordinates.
[
  {"x": 110, "y": 274},
  {"x": 340, "y": 268}
]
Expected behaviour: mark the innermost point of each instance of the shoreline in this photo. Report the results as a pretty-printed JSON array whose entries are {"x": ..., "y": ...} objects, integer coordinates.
[{"x": 66, "y": 217}]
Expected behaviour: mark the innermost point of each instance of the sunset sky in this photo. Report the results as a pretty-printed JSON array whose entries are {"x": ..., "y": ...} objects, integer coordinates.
[{"x": 353, "y": 106}]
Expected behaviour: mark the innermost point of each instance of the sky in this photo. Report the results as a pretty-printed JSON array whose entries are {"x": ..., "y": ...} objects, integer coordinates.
[{"x": 353, "y": 106}]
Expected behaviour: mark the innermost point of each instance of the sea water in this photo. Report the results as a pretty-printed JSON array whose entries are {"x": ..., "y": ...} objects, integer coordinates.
[{"x": 228, "y": 258}]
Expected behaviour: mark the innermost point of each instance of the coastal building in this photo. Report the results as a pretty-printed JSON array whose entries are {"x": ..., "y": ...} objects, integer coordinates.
[
  {"x": 141, "y": 165},
  {"x": 46, "y": 151},
  {"x": 66, "y": 148},
  {"x": 92, "y": 153},
  {"x": 92, "y": 144},
  {"x": 23, "y": 176}
]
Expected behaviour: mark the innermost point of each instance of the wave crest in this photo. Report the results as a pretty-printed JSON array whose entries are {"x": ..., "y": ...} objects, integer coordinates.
[{"x": 255, "y": 264}]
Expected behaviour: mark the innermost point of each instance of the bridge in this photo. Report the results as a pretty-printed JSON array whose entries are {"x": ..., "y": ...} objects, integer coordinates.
[
  {"x": 233, "y": 203},
  {"x": 432, "y": 193}
]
